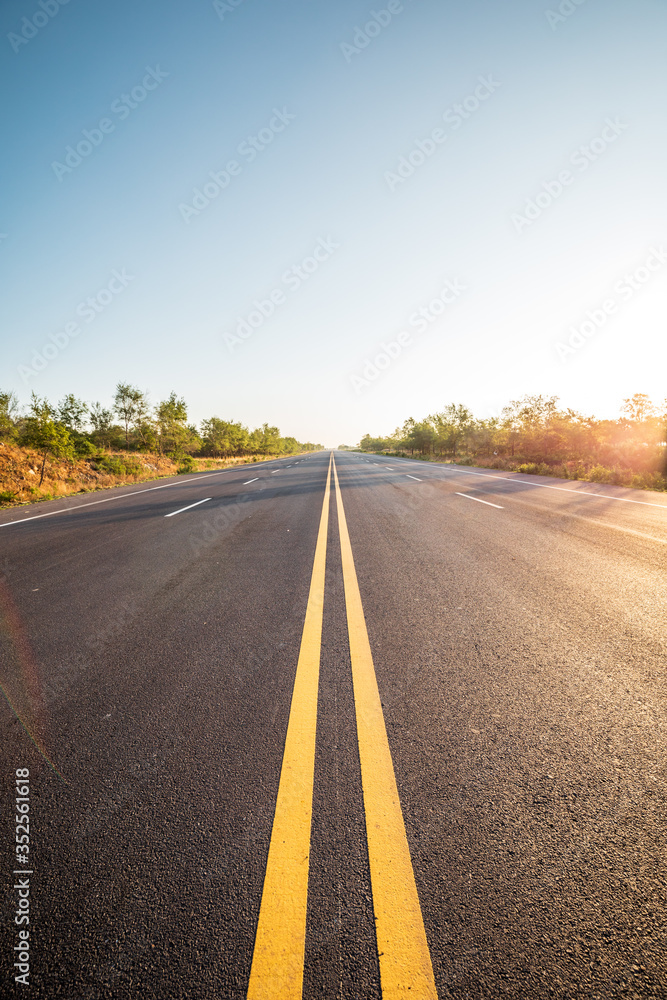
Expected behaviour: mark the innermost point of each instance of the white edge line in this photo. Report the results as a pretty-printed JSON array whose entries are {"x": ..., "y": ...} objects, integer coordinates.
[
  {"x": 189, "y": 507},
  {"x": 547, "y": 486},
  {"x": 467, "y": 495},
  {"x": 120, "y": 496},
  {"x": 544, "y": 486}
]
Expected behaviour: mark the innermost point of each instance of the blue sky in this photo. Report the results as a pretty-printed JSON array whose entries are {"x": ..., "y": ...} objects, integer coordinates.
[{"x": 543, "y": 91}]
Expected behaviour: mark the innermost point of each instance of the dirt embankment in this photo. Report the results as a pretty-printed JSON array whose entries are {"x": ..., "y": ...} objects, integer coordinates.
[{"x": 20, "y": 471}]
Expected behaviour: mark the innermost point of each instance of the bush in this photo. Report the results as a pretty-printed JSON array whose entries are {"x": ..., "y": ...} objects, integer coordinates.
[
  {"x": 114, "y": 465},
  {"x": 649, "y": 481},
  {"x": 111, "y": 464},
  {"x": 84, "y": 448},
  {"x": 535, "y": 469},
  {"x": 621, "y": 477},
  {"x": 187, "y": 464}
]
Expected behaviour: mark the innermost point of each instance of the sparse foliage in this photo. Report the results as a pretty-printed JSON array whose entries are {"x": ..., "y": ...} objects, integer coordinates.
[{"x": 46, "y": 434}]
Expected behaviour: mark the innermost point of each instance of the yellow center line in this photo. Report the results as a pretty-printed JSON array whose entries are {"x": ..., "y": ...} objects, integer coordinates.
[
  {"x": 405, "y": 961},
  {"x": 277, "y": 963}
]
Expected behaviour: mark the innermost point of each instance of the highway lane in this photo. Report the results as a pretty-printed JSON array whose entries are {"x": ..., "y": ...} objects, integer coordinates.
[{"x": 519, "y": 654}]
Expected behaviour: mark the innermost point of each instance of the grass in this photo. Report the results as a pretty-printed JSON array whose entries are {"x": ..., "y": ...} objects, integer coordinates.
[{"x": 20, "y": 468}]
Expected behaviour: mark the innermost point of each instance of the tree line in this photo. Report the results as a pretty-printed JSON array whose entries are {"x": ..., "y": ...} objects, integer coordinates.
[
  {"x": 73, "y": 428},
  {"x": 535, "y": 434}
]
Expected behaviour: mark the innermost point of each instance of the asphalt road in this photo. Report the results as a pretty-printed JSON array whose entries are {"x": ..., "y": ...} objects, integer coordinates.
[{"x": 512, "y": 686}]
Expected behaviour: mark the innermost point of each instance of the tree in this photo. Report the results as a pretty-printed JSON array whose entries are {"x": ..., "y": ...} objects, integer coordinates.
[
  {"x": 290, "y": 446},
  {"x": 222, "y": 438},
  {"x": 421, "y": 437},
  {"x": 72, "y": 412},
  {"x": 450, "y": 426},
  {"x": 638, "y": 408},
  {"x": 171, "y": 420},
  {"x": 8, "y": 414},
  {"x": 102, "y": 421},
  {"x": 131, "y": 405},
  {"x": 269, "y": 440},
  {"x": 46, "y": 435}
]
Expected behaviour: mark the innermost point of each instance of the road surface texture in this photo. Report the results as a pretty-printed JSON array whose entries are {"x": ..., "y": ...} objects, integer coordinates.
[{"x": 340, "y": 727}]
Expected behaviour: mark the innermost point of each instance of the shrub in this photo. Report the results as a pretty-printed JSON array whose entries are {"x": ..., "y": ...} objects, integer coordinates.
[
  {"x": 111, "y": 464},
  {"x": 84, "y": 448},
  {"x": 187, "y": 464},
  {"x": 599, "y": 474},
  {"x": 116, "y": 465}
]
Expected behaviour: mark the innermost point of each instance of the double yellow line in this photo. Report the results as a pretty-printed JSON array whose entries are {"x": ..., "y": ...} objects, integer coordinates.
[{"x": 278, "y": 957}]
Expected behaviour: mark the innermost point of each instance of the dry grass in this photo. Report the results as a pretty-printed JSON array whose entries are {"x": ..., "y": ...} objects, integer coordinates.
[{"x": 20, "y": 472}]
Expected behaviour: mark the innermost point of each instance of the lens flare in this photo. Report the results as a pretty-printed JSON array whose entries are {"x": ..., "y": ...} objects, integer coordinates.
[{"x": 24, "y": 696}]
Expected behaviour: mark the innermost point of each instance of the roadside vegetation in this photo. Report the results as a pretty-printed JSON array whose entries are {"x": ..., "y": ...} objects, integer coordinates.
[
  {"x": 71, "y": 446},
  {"x": 533, "y": 435}
]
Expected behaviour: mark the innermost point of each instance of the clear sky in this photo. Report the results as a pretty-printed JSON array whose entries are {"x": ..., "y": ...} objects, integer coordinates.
[{"x": 336, "y": 208}]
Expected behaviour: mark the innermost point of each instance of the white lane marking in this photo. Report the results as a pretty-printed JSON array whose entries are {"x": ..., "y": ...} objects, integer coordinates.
[
  {"x": 121, "y": 496},
  {"x": 251, "y": 481},
  {"x": 413, "y": 477},
  {"x": 189, "y": 507},
  {"x": 480, "y": 501},
  {"x": 274, "y": 472},
  {"x": 562, "y": 489},
  {"x": 389, "y": 467},
  {"x": 615, "y": 527}
]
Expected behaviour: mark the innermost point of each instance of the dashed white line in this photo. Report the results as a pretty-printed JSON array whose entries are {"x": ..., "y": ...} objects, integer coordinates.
[
  {"x": 189, "y": 507},
  {"x": 119, "y": 496},
  {"x": 251, "y": 481},
  {"x": 467, "y": 495},
  {"x": 414, "y": 477},
  {"x": 274, "y": 472},
  {"x": 391, "y": 469}
]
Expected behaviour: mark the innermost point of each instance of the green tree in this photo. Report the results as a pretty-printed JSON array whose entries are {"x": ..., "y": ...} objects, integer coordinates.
[
  {"x": 131, "y": 405},
  {"x": 102, "y": 421},
  {"x": 46, "y": 435},
  {"x": 223, "y": 438},
  {"x": 171, "y": 421},
  {"x": 450, "y": 427},
  {"x": 422, "y": 437},
  {"x": 72, "y": 412},
  {"x": 269, "y": 440},
  {"x": 8, "y": 414}
]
